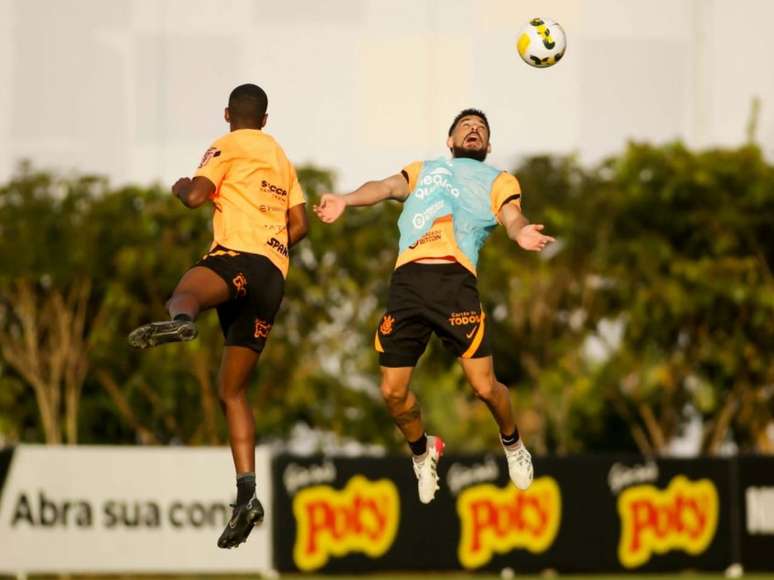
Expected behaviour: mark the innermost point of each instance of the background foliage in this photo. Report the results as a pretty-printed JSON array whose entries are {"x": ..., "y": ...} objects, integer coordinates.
[{"x": 652, "y": 315}]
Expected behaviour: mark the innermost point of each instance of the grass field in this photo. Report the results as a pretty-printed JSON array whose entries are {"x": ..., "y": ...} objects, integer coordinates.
[
  {"x": 400, "y": 576},
  {"x": 447, "y": 576}
]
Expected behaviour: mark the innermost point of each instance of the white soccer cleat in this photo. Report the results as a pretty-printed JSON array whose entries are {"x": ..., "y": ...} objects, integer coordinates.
[
  {"x": 519, "y": 465},
  {"x": 426, "y": 469}
]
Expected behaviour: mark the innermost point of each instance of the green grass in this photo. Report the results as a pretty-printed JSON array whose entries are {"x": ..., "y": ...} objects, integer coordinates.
[
  {"x": 453, "y": 576},
  {"x": 401, "y": 576}
]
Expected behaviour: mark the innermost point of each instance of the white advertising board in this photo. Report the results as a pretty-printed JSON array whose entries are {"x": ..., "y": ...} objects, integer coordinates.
[{"x": 126, "y": 509}]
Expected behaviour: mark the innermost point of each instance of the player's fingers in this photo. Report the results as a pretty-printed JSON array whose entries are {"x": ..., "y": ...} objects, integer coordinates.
[{"x": 539, "y": 227}]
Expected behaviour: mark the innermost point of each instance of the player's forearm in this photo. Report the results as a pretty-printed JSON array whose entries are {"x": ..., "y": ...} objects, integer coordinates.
[
  {"x": 296, "y": 233},
  {"x": 298, "y": 224},
  {"x": 370, "y": 193},
  {"x": 515, "y": 224}
]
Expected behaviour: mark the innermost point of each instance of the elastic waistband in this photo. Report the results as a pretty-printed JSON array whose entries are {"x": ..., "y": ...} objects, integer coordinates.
[{"x": 417, "y": 266}]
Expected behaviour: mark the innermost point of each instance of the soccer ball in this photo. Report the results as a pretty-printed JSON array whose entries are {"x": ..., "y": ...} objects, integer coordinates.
[{"x": 541, "y": 43}]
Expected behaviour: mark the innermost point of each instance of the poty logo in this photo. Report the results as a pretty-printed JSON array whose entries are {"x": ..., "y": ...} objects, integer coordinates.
[
  {"x": 435, "y": 179},
  {"x": 422, "y": 218},
  {"x": 498, "y": 520},
  {"x": 682, "y": 517},
  {"x": 363, "y": 517}
]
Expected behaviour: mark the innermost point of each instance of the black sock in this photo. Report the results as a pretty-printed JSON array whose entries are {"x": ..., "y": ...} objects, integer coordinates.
[
  {"x": 245, "y": 487},
  {"x": 510, "y": 439},
  {"x": 183, "y": 317},
  {"x": 419, "y": 446}
]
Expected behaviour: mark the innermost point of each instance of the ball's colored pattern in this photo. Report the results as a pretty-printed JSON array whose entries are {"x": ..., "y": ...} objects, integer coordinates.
[{"x": 541, "y": 43}]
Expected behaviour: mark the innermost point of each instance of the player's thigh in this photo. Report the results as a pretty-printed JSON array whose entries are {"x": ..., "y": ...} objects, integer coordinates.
[
  {"x": 402, "y": 334},
  {"x": 247, "y": 319},
  {"x": 206, "y": 286},
  {"x": 401, "y": 338},
  {"x": 395, "y": 382},
  {"x": 237, "y": 364},
  {"x": 479, "y": 372},
  {"x": 459, "y": 319}
]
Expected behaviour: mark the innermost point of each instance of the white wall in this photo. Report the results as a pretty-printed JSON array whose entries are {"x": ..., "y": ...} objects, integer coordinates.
[{"x": 135, "y": 89}]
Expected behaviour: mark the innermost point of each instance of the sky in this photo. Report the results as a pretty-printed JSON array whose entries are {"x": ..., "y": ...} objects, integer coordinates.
[{"x": 135, "y": 89}]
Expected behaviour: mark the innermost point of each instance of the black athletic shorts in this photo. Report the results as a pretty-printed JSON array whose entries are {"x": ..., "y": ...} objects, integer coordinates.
[
  {"x": 426, "y": 298},
  {"x": 256, "y": 287}
]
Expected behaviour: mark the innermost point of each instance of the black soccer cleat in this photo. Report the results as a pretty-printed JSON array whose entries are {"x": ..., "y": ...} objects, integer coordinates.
[
  {"x": 157, "y": 333},
  {"x": 242, "y": 522}
]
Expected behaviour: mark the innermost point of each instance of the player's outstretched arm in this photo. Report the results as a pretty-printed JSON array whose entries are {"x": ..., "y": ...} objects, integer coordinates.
[
  {"x": 193, "y": 192},
  {"x": 331, "y": 205},
  {"x": 527, "y": 235}
]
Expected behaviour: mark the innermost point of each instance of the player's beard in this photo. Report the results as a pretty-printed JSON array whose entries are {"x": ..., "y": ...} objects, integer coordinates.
[{"x": 477, "y": 154}]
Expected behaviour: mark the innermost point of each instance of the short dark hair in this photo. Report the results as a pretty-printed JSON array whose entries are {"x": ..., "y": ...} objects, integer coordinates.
[
  {"x": 248, "y": 103},
  {"x": 467, "y": 113}
]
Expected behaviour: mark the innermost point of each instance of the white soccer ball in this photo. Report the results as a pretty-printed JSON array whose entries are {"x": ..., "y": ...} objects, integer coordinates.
[{"x": 541, "y": 43}]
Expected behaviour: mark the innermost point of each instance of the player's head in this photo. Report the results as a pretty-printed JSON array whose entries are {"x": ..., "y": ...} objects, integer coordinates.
[
  {"x": 247, "y": 107},
  {"x": 469, "y": 135}
]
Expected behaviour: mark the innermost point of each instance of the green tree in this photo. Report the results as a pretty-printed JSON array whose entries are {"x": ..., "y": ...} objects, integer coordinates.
[{"x": 655, "y": 303}]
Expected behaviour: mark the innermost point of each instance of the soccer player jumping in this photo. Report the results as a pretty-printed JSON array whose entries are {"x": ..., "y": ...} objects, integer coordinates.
[
  {"x": 258, "y": 213},
  {"x": 450, "y": 208}
]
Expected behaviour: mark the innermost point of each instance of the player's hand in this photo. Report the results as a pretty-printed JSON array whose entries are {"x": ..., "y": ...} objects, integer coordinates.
[
  {"x": 330, "y": 208},
  {"x": 530, "y": 238},
  {"x": 182, "y": 186}
]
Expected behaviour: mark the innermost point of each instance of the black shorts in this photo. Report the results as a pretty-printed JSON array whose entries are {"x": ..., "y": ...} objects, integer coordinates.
[
  {"x": 426, "y": 298},
  {"x": 256, "y": 286}
]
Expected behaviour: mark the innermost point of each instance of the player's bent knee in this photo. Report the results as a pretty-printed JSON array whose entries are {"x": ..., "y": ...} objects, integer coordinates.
[
  {"x": 486, "y": 387},
  {"x": 393, "y": 393},
  {"x": 230, "y": 394}
]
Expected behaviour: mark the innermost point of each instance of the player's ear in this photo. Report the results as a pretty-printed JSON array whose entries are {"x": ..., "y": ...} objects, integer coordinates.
[
  {"x": 226, "y": 115},
  {"x": 450, "y": 142},
  {"x": 489, "y": 147},
  {"x": 264, "y": 119}
]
